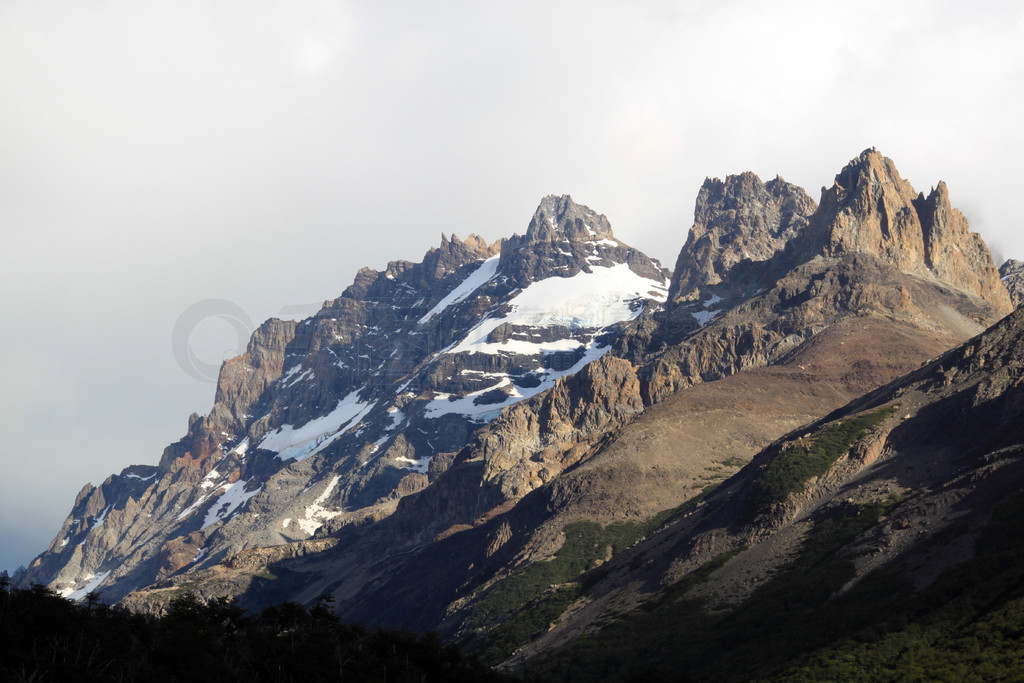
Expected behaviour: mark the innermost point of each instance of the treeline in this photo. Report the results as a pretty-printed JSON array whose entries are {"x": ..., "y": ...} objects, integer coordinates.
[{"x": 44, "y": 637}]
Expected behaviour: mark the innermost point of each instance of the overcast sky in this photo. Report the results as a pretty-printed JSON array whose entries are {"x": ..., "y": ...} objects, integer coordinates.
[{"x": 158, "y": 154}]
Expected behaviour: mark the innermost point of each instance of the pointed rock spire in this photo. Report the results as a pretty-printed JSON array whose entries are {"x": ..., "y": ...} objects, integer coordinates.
[
  {"x": 737, "y": 219},
  {"x": 559, "y": 217},
  {"x": 871, "y": 209}
]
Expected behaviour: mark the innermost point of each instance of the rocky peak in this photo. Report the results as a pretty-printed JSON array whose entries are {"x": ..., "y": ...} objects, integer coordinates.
[
  {"x": 559, "y": 217},
  {"x": 740, "y": 218},
  {"x": 871, "y": 209},
  {"x": 1012, "y": 275},
  {"x": 565, "y": 238}
]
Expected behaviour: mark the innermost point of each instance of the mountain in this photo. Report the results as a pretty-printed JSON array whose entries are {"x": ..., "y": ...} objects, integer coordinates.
[
  {"x": 789, "y": 344},
  {"x": 474, "y": 444},
  {"x": 331, "y": 420}
]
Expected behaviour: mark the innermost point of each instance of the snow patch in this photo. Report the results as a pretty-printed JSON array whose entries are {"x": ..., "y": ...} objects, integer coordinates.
[
  {"x": 485, "y": 412},
  {"x": 420, "y": 465},
  {"x": 209, "y": 480},
  {"x": 299, "y": 443},
  {"x": 231, "y": 497},
  {"x": 593, "y": 300},
  {"x": 98, "y": 522},
  {"x": 316, "y": 513},
  {"x": 704, "y": 317},
  {"x": 473, "y": 282},
  {"x": 93, "y": 582}
]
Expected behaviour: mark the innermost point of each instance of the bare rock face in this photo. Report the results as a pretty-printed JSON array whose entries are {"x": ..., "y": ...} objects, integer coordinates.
[
  {"x": 1012, "y": 275},
  {"x": 735, "y": 220},
  {"x": 871, "y": 209},
  {"x": 535, "y": 442}
]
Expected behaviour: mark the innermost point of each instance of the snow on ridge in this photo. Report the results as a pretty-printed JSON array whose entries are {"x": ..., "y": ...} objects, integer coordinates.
[
  {"x": 487, "y": 412},
  {"x": 592, "y": 300},
  {"x": 299, "y": 443},
  {"x": 473, "y": 281}
]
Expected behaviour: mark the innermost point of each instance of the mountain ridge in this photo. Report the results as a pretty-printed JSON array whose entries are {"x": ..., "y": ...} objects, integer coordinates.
[{"x": 501, "y": 423}]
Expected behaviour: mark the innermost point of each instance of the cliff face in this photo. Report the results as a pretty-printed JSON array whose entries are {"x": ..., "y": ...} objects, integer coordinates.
[
  {"x": 736, "y": 220},
  {"x": 871, "y": 209}
]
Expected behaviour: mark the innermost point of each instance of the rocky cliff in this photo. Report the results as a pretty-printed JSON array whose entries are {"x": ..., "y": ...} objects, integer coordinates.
[{"x": 740, "y": 219}]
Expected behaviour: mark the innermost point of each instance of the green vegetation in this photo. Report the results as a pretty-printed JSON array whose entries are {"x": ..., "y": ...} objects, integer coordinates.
[
  {"x": 967, "y": 626},
  {"x": 48, "y": 638},
  {"x": 526, "y": 602},
  {"x": 791, "y": 468},
  {"x": 674, "y": 634}
]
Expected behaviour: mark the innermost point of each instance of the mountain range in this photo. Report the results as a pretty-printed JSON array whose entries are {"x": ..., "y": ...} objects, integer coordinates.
[{"x": 569, "y": 458}]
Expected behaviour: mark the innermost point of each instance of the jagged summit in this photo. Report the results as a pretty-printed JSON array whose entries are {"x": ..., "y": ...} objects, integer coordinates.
[
  {"x": 564, "y": 239},
  {"x": 559, "y": 217},
  {"x": 871, "y": 209},
  {"x": 738, "y": 219}
]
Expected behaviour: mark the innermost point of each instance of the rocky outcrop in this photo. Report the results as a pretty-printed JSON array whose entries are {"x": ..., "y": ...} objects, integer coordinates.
[
  {"x": 736, "y": 220},
  {"x": 1012, "y": 275},
  {"x": 535, "y": 442},
  {"x": 871, "y": 209}
]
